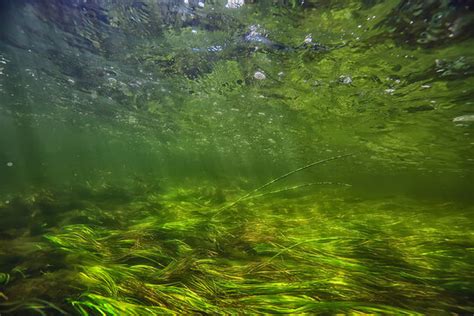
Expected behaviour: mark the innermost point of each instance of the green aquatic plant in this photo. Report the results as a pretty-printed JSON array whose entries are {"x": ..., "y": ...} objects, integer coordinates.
[
  {"x": 252, "y": 193},
  {"x": 295, "y": 187},
  {"x": 4, "y": 278},
  {"x": 103, "y": 305},
  {"x": 36, "y": 306},
  {"x": 367, "y": 259}
]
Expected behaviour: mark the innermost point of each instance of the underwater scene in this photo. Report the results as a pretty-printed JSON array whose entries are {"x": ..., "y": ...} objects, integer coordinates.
[{"x": 236, "y": 157}]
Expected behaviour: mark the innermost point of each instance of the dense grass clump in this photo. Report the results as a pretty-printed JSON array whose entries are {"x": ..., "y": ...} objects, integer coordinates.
[{"x": 177, "y": 252}]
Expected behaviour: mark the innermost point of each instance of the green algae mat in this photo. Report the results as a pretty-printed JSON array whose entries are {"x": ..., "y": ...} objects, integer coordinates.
[{"x": 236, "y": 157}]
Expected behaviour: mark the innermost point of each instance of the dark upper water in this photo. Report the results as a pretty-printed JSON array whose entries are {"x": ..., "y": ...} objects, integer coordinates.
[{"x": 107, "y": 104}]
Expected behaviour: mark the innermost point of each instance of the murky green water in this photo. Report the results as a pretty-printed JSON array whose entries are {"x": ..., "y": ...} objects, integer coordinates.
[{"x": 136, "y": 136}]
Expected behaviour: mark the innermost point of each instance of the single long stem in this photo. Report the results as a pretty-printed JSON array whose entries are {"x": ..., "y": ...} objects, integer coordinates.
[
  {"x": 278, "y": 179},
  {"x": 299, "y": 186}
]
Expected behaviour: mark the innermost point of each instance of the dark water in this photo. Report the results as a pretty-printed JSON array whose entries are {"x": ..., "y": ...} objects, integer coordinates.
[{"x": 133, "y": 135}]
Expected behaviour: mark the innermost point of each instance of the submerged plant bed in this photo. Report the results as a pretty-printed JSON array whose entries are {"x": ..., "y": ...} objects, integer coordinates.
[{"x": 165, "y": 253}]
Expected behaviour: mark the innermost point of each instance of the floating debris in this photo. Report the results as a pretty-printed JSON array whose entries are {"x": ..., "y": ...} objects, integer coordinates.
[
  {"x": 259, "y": 75},
  {"x": 469, "y": 118},
  {"x": 233, "y": 4},
  {"x": 345, "y": 79}
]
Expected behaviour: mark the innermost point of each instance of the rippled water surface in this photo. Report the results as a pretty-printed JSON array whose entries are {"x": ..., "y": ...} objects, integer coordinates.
[{"x": 213, "y": 157}]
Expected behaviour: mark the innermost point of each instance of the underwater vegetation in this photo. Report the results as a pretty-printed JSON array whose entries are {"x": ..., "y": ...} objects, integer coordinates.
[
  {"x": 225, "y": 158},
  {"x": 179, "y": 251}
]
